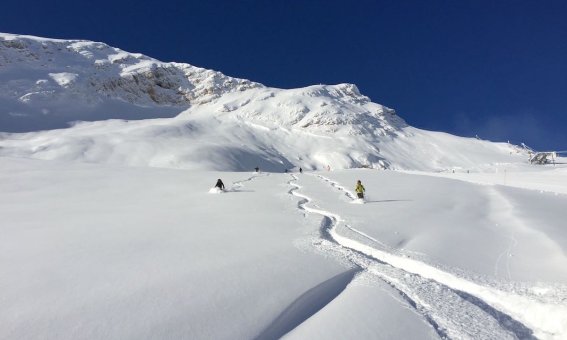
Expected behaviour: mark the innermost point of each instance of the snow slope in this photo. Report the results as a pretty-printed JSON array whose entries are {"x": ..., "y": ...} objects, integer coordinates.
[
  {"x": 548, "y": 178},
  {"x": 221, "y": 123},
  {"x": 114, "y": 252},
  {"x": 265, "y": 128},
  {"x": 110, "y": 228},
  {"x": 512, "y": 243},
  {"x": 105, "y": 251}
]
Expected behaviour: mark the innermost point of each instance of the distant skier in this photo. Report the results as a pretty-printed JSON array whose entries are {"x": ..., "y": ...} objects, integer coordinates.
[
  {"x": 300, "y": 170},
  {"x": 257, "y": 169},
  {"x": 220, "y": 184},
  {"x": 359, "y": 189}
]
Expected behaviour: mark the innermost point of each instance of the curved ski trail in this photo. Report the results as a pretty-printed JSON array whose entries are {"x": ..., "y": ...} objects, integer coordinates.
[{"x": 454, "y": 306}]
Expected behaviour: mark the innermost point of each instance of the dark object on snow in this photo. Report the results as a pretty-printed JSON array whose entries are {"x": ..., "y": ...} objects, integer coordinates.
[
  {"x": 285, "y": 171},
  {"x": 257, "y": 169},
  {"x": 359, "y": 189},
  {"x": 543, "y": 157},
  {"x": 300, "y": 170},
  {"x": 219, "y": 184}
]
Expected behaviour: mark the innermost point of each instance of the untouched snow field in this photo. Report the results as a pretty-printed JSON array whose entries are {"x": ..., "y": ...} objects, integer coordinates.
[
  {"x": 547, "y": 178},
  {"x": 102, "y": 251}
]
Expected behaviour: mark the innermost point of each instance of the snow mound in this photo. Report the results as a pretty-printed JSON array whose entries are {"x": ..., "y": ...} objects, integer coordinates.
[{"x": 216, "y": 190}]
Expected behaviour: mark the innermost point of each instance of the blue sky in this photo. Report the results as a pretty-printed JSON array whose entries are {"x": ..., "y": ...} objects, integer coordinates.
[{"x": 496, "y": 69}]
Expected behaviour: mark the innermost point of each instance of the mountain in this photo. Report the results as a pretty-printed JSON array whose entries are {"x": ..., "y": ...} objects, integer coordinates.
[
  {"x": 50, "y": 81},
  {"x": 136, "y": 110},
  {"x": 134, "y": 246}
]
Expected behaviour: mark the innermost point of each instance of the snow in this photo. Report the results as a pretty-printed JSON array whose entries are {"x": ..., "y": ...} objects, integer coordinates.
[
  {"x": 143, "y": 252},
  {"x": 437, "y": 245},
  {"x": 548, "y": 178},
  {"x": 111, "y": 228},
  {"x": 377, "y": 316},
  {"x": 87, "y": 263},
  {"x": 264, "y": 132},
  {"x": 93, "y": 81},
  {"x": 63, "y": 78}
]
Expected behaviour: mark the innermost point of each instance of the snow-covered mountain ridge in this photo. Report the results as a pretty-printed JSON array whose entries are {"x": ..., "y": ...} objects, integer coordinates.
[
  {"x": 213, "y": 121},
  {"x": 110, "y": 228},
  {"x": 97, "y": 68},
  {"x": 36, "y": 74}
]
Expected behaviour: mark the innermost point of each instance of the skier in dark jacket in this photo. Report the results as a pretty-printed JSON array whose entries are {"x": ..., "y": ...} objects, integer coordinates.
[{"x": 220, "y": 184}]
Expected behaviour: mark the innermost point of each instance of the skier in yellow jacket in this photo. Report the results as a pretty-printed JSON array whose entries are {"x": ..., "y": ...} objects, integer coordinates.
[{"x": 359, "y": 189}]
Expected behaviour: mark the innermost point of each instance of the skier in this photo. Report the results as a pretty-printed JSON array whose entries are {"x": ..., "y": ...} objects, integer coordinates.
[
  {"x": 300, "y": 170},
  {"x": 359, "y": 189},
  {"x": 257, "y": 169},
  {"x": 220, "y": 184}
]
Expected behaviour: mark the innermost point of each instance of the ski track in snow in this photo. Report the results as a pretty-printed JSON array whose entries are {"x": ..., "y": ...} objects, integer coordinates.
[
  {"x": 505, "y": 212},
  {"x": 506, "y": 256},
  {"x": 455, "y": 307},
  {"x": 238, "y": 184},
  {"x": 339, "y": 187},
  {"x": 308, "y": 303}
]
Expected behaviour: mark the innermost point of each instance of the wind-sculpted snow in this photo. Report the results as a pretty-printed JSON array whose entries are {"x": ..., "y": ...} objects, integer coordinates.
[{"x": 307, "y": 305}]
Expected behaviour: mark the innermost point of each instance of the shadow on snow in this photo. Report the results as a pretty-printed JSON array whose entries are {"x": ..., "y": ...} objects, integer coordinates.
[{"x": 307, "y": 305}]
